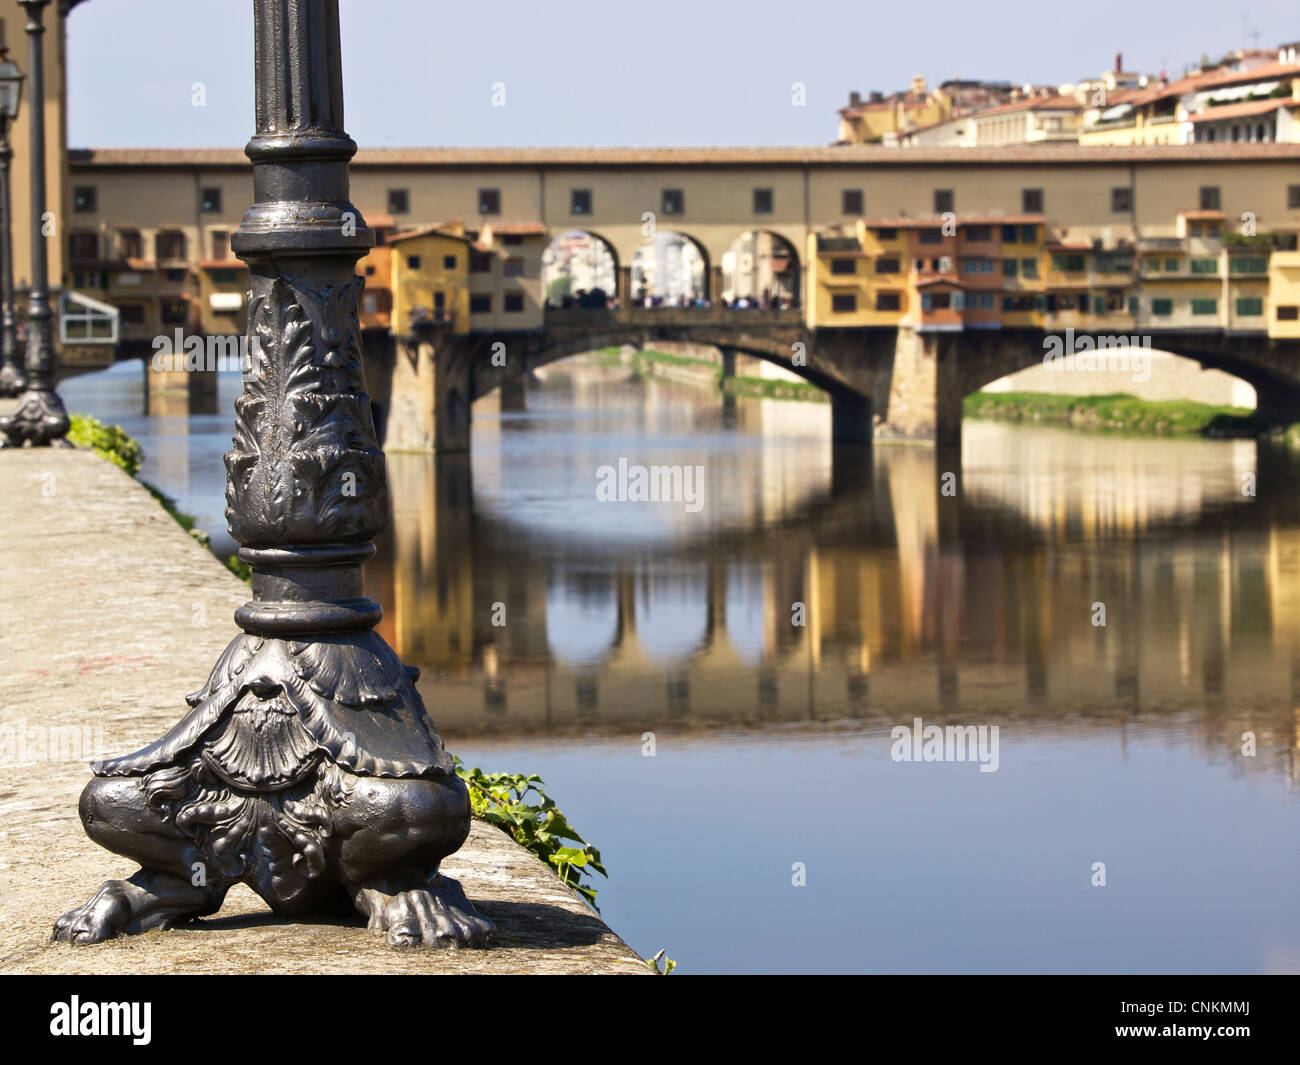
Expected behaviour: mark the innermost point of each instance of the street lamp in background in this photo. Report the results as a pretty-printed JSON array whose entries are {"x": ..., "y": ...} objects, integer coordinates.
[
  {"x": 11, "y": 92},
  {"x": 39, "y": 419}
]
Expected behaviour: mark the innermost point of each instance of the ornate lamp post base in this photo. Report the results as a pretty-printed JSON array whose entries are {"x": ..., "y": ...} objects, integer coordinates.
[
  {"x": 307, "y": 767},
  {"x": 271, "y": 780},
  {"x": 39, "y": 420}
]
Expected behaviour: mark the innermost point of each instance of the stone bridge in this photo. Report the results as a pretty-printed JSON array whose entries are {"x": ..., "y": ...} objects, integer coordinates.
[{"x": 890, "y": 382}]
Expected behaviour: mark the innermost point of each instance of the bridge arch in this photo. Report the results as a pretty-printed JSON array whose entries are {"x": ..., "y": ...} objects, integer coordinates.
[
  {"x": 577, "y": 264},
  {"x": 989, "y": 359},
  {"x": 671, "y": 268},
  {"x": 761, "y": 266}
]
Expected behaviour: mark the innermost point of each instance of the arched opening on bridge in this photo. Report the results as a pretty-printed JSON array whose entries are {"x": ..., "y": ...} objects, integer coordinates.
[
  {"x": 582, "y": 616},
  {"x": 1145, "y": 372},
  {"x": 672, "y": 609},
  {"x": 761, "y": 269},
  {"x": 670, "y": 270},
  {"x": 579, "y": 269}
]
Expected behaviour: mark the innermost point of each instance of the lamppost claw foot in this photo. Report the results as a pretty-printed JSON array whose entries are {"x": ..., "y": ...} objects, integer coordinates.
[
  {"x": 124, "y": 907},
  {"x": 432, "y": 913}
]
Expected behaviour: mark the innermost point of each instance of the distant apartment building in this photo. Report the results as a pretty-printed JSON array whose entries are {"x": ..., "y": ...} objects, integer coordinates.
[
  {"x": 880, "y": 115},
  {"x": 1039, "y": 118},
  {"x": 1249, "y": 97}
]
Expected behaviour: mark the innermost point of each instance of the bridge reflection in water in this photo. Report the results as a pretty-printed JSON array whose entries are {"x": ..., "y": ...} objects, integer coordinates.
[{"x": 976, "y": 607}]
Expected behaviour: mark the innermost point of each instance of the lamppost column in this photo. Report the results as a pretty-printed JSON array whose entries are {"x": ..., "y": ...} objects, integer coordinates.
[
  {"x": 11, "y": 374},
  {"x": 39, "y": 418},
  {"x": 310, "y": 737}
]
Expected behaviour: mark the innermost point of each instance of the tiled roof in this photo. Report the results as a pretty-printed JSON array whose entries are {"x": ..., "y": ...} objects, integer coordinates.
[
  {"x": 1202, "y": 216},
  {"x": 930, "y": 221},
  {"x": 1055, "y": 102},
  {"x": 1241, "y": 110},
  {"x": 838, "y": 155},
  {"x": 428, "y": 231},
  {"x": 1215, "y": 79},
  {"x": 517, "y": 229}
]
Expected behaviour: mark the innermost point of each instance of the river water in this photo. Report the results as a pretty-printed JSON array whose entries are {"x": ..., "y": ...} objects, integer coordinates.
[{"x": 711, "y": 689}]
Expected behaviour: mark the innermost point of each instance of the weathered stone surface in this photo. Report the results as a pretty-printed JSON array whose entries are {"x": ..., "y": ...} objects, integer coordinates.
[{"x": 109, "y": 615}]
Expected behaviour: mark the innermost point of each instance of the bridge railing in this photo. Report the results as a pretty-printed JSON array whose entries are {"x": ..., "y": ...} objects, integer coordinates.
[{"x": 651, "y": 317}]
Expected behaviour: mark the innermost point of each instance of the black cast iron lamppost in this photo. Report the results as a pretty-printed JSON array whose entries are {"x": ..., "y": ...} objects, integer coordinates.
[
  {"x": 307, "y": 766},
  {"x": 11, "y": 92},
  {"x": 39, "y": 419}
]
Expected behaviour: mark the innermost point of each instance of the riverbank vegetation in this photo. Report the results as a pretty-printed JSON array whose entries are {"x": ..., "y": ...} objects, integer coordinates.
[
  {"x": 1118, "y": 412},
  {"x": 645, "y": 363},
  {"x": 113, "y": 443}
]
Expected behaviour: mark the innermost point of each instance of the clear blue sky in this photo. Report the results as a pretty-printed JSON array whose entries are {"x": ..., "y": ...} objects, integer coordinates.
[{"x": 671, "y": 72}]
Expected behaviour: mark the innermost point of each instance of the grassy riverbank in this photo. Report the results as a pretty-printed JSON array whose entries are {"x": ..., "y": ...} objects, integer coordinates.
[
  {"x": 651, "y": 362},
  {"x": 1118, "y": 412}
]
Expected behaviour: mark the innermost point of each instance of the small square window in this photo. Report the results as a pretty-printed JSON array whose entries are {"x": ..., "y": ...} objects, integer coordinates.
[
  {"x": 840, "y": 267},
  {"x": 944, "y": 201},
  {"x": 449, "y": 262},
  {"x": 762, "y": 201},
  {"x": 512, "y": 268},
  {"x": 1293, "y": 197},
  {"x": 210, "y": 201},
  {"x": 888, "y": 301},
  {"x": 674, "y": 201},
  {"x": 399, "y": 201},
  {"x": 489, "y": 201},
  {"x": 1031, "y": 201},
  {"x": 580, "y": 201},
  {"x": 851, "y": 201},
  {"x": 480, "y": 304},
  {"x": 1121, "y": 199},
  {"x": 1209, "y": 197},
  {"x": 844, "y": 303},
  {"x": 1010, "y": 234},
  {"x": 84, "y": 199},
  {"x": 514, "y": 302},
  {"x": 413, "y": 262},
  {"x": 480, "y": 263}
]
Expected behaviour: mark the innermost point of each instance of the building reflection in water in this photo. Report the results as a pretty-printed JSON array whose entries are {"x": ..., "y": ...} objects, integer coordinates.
[{"x": 534, "y": 609}]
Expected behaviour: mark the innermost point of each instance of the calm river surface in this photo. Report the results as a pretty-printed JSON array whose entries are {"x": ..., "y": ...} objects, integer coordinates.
[{"x": 1119, "y": 743}]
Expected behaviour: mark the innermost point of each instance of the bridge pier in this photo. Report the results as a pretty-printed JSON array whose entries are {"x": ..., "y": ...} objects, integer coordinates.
[
  {"x": 728, "y": 362},
  {"x": 924, "y": 388},
  {"x": 851, "y": 421},
  {"x": 429, "y": 398},
  {"x": 181, "y": 392},
  {"x": 514, "y": 395}
]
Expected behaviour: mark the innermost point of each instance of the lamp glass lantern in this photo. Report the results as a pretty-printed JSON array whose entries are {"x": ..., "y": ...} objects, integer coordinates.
[{"x": 11, "y": 87}]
